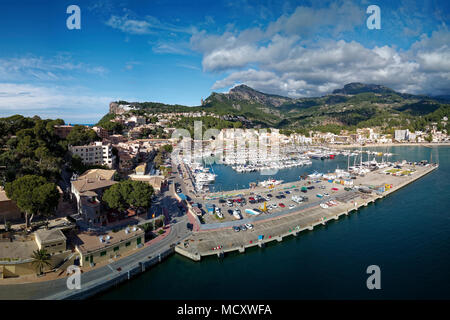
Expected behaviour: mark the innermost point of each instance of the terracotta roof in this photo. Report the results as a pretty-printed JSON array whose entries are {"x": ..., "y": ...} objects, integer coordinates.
[
  {"x": 98, "y": 174},
  {"x": 90, "y": 185}
]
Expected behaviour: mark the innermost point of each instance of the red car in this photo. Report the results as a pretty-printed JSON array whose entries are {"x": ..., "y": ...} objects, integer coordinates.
[
  {"x": 251, "y": 199},
  {"x": 281, "y": 205}
]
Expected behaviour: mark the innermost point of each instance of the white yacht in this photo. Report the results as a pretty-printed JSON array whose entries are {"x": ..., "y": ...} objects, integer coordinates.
[{"x": 270, "y": 182}]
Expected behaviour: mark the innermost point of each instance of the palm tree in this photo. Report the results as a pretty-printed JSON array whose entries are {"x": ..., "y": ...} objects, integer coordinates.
[{"x": 40, "y": 259}]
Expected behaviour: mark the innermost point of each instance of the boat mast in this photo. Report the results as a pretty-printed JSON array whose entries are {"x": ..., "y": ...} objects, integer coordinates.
[
  {"x": 360, "y": 160},
  {"x": 348, "y": 161}
]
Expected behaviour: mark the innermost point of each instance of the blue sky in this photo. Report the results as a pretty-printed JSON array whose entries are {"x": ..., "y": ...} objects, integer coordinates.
[{"x": 178, "y": 52}]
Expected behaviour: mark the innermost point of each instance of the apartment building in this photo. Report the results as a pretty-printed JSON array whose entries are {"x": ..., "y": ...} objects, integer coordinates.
[
  {"x": 401, "y": 135},
  {"x": 98, "y": 153}
]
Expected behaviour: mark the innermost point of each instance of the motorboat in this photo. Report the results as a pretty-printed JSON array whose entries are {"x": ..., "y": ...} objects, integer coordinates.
[{"x": 270, "y": 182}]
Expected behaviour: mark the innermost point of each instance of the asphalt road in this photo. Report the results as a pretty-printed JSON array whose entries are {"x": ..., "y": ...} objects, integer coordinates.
[{"x": 57, "y": 289}]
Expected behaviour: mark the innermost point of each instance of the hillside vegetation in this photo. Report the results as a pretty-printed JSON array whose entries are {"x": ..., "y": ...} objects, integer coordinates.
[{"x": 355, "y": 105}]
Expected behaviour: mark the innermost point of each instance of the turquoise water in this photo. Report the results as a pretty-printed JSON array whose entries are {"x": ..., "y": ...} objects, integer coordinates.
[{"x": 407, "y": 234}]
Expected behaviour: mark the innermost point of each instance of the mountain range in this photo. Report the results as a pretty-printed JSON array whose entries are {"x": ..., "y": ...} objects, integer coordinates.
[{"x": 355, "y": 105}]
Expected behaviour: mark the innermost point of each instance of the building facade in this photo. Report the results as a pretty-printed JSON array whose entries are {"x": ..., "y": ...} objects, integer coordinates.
[{"x": 98, "y": 153}]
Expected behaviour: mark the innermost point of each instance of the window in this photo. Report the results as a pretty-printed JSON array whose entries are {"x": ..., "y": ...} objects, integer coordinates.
[
  {"x": 138, "y": 241},
  {"x": 87, "y": 258},
  {"x": 116, "y": 248},
  {"x": 127, "y": 244},
  {"x": 103, "y": 253}
]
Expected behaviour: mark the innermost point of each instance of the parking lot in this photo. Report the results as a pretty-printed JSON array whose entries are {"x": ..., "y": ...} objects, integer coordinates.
[{"x": 268, "y": 202}]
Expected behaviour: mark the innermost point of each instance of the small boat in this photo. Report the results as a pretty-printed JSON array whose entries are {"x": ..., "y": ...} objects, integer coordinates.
[
  {"x": 315, "y": 175},
  {"x": 270, "y": 182}
]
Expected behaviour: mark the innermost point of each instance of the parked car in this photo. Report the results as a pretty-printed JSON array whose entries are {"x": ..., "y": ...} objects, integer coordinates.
[
  {"x": 243, "y": 227},
  {"x": 249, "y": 226},
  {"x": 282, "y": 205},
  {"x": 236, "y": 229}
]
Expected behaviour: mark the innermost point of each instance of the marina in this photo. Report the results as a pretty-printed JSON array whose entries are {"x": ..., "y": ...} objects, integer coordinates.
[
  {"x": 299, "y": 206},
  {"x": 408, "y": 228}
]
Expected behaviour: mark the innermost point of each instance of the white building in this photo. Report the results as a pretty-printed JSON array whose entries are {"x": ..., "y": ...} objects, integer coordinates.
[
  {"x": 98, "y": 153},
  {"x": 138, "y": 120},
  {"x": 401, "y": 135}
]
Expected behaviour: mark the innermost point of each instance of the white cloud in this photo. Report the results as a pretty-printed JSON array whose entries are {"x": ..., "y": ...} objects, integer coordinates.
[
  {"x": 171, "y": 48},
  {"x": 52, "y": 102},
  {"x": 283, "y": 59},
  {"x": 337, "y": 17},
  {"x": 61, "y": 67},
  {"x": 130, "y": 23}
]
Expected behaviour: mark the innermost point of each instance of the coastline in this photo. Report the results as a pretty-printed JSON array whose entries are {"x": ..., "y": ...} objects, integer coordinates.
[
  {"x": 145, "y": 261},
  {"x": 392, "y": 144}
]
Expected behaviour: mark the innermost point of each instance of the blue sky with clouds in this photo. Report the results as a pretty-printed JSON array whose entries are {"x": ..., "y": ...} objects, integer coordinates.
[{"x": 178, "y": 52}]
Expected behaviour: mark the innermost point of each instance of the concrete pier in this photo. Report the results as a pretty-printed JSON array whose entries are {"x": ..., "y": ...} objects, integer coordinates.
[{"x": 275, "y": 228}]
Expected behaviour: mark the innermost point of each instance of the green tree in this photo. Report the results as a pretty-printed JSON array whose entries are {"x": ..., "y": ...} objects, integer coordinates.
[
  {"x": 128, "y": 193},
  {"x": 114, "y": 199},
  {"x": 81, "y": 135},
  {"x": 41, "y": 259},
  {"x": 33, "y": 195},
  {"x": 168, "y": 148}
]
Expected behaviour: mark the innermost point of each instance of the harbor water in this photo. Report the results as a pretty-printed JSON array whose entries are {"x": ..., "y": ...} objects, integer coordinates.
[{"x": 406, "y": 234}]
